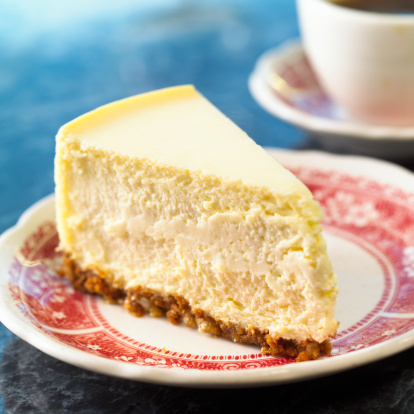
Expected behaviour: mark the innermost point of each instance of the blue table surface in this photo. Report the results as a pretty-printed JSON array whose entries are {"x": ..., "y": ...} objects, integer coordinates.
[{"x": 61, "y": 59}]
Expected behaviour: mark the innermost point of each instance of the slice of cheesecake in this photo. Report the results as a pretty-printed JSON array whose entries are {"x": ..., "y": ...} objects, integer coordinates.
[{"x": 165, "y": 205}]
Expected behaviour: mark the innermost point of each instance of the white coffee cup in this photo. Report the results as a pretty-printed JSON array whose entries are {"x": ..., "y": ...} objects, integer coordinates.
[{"x": 363, "y": 59}]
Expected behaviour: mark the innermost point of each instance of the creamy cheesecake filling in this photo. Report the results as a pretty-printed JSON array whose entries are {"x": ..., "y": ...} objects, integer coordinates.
[{"x": 242, "y": 253}]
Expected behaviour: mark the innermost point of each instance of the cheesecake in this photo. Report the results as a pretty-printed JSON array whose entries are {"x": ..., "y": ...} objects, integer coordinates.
[{"x": 167, "y": 207}]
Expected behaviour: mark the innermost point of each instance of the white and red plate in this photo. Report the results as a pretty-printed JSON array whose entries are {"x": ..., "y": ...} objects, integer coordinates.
[
  {"x": 369, "y": 227},
  {"x": 284, "y": 84}
]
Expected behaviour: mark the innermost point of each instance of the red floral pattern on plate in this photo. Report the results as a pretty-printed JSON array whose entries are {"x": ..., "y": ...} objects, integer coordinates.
[
  {"x": 362, "y": 211},
  {"x": 40, "y": 294}
]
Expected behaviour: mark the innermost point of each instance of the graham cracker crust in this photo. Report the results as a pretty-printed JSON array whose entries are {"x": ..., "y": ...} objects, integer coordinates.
[{"x": 140, "y": 301}]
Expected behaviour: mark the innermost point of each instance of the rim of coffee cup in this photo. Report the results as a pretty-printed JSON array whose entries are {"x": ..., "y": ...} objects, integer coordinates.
[{"x": 370, "y": 16}]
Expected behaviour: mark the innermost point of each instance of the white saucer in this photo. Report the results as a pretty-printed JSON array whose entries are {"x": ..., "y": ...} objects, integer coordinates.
[
  {"x": 284, "y": 84},
  {"x": 369, "y": 222}
]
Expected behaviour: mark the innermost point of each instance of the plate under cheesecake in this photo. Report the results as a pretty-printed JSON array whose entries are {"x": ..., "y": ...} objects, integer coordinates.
[{"x": 368, "y": 209}]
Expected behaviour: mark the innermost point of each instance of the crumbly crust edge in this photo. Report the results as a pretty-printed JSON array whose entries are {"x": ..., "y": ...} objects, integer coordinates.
[{"x": 139, "y": 301}]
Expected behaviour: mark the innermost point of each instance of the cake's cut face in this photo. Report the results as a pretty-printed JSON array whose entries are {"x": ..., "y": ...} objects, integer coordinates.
[{"x": 164, "y": 203}]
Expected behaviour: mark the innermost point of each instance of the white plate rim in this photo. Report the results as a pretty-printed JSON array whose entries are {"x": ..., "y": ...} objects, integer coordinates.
[
  {"x": 262, "y": 93},
  {"x": 194, "y": 378}
]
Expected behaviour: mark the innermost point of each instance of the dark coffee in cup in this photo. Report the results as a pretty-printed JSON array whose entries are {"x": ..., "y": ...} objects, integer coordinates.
[{"x": 378, "y": 6}]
